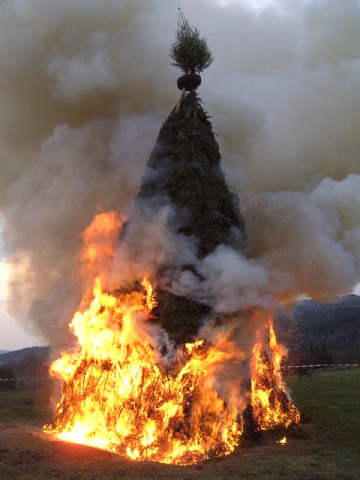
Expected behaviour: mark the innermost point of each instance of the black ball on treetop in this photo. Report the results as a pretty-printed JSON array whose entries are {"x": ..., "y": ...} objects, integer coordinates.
[{"x": 190, "y": 81}]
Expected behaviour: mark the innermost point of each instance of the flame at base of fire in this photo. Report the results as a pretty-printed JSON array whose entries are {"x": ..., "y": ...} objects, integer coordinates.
[
  {"x": 282, "y": 441},
  {"x": 117, "y": 397}
]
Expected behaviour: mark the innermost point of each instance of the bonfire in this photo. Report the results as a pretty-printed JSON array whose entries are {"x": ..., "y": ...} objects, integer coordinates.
[{"x": 157, "y": 372}]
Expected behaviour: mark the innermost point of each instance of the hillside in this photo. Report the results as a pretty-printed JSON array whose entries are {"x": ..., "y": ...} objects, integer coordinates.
[
  {"x": 16, "y": 355},
  {"x": 322, "y": 332},
  {"x": 335, "y": 324}
]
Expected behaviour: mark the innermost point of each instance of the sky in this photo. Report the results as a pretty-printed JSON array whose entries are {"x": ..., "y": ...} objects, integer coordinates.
[
  {"x": 13, "y": 334},
  {"x": 85, "y": 87}
]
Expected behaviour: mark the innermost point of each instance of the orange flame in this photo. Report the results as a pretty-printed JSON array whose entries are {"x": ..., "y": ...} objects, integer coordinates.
[
  {"x": 99, "y": 239},
  {"x": 269, "y": 399},
  {"x": 118, "y": 396},
  {"x": 149, "y": 298}
]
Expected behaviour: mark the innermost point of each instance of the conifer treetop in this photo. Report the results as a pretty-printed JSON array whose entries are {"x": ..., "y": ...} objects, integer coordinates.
[{"x": 189, "y": 52}]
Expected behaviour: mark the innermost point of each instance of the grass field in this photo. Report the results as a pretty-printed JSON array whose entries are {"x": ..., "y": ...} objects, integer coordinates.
[
  {"x": 31, "y": 406},
  {"x": 329, "y": 403},
  {"x": 325, "y": 447},
  {"x": 332, "y": 401}
]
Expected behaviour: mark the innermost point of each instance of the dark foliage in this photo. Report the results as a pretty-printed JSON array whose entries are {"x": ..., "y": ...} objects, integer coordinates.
[
  {"x": 180, "y": 316},
  {"x": 7, "y": 378},
  {"x": 189, "y": 51},
  {"x": 186, "y": 160}
]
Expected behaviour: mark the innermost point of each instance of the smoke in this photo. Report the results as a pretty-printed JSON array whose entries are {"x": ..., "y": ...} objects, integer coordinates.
[{"x": 85, "y": 86}]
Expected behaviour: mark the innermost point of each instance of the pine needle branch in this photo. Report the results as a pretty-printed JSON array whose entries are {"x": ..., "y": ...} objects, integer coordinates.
[{"x": 189, "y": 51}]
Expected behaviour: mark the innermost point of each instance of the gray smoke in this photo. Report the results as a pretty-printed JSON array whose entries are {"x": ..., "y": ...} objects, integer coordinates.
[{"x": 85, "y": 86}]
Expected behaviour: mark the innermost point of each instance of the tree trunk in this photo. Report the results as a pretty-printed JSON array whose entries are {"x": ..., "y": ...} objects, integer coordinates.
[
  {"x": 178, "y": 106},
  {"x": 183, "y": 91}
]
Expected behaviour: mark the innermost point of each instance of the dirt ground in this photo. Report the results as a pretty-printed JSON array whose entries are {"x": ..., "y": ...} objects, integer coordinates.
[{"x": 28, "y": 453}]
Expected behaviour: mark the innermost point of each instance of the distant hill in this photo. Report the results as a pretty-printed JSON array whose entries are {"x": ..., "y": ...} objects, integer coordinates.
[
  {"x": 4, "y": 351},
  {"x": 322, "y": 332},
  {"x": 335, "y": 324},
  {"x": 14, "y": 356},
  {"x": 29, "y": 366}
]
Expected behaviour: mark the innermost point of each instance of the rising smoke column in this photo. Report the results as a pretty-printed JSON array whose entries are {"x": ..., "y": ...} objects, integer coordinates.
[{"x": 84, "y": 92}]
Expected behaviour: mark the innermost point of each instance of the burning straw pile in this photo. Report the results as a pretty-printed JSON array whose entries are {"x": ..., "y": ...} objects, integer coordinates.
[{"x": 158, "y": 374}]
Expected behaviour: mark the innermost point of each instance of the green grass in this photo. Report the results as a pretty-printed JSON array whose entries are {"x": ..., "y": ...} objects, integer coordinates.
[
  {"x": 16, "y": 406},
  {"x": 326, "y": 446},
  {"x": 22, "y": 406},
  {"x": 331, "y": 401}
]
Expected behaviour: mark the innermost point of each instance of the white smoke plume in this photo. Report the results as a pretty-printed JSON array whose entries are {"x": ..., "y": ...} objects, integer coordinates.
[{"x": 85, "y": 86}]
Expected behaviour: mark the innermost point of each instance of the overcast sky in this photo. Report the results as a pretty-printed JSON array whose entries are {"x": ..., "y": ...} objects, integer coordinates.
[{"x": 85, "y": 86}]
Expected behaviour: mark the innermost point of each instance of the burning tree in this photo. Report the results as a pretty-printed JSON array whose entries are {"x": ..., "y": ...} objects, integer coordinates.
[{"x": 121, "y": 392}]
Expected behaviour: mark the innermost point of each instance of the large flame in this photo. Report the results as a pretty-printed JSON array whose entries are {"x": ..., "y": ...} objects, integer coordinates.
[
  {"x": 117, "y": 394},
  {"x": 269, "y": 400}
]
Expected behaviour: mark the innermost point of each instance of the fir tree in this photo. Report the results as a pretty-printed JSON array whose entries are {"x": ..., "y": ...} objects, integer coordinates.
[
  {"x": 189, "y": 51},
  {"x": 187, "y": 159},
  {"x": 184, "y": 168},
  {"x": 191, "y": 54}
]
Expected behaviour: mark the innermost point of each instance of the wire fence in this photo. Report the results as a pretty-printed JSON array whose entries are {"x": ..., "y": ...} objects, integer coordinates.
[
  {"x": 324, "y": 365},
  {"x": 309, "y": 368}
]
